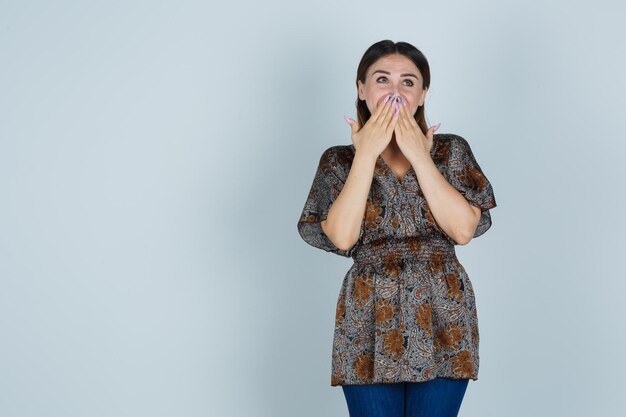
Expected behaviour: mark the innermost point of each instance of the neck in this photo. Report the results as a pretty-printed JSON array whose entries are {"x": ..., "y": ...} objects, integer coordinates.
[{"x": 392, "y": 148}]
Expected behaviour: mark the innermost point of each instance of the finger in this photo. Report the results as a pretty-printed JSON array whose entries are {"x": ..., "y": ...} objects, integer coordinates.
[
  {"x": 388, "y": 113},
  {"x": 410, "y": 118},
  {"x": 376, "y": 114},
  {"x": 391, "y": 113},
  {"x": 348, "y": 120},
  {"x": 402, "y": 122},
  {"x": 396, "y": 105},
  {"x": 354, "y": 125},
  {"x": 397, "y": 113},
  {"x": 432, "y": 130},
  {"x": 404, "y": 109},
  {"x": 381, "y": 109},
  {"x": 396, "y": 124},
  {"x": 391, "y": 121},
  {"x": 385, "y": 117},
  {"x": 429, "y": 133},
  {"x": 401, "y": 127}
]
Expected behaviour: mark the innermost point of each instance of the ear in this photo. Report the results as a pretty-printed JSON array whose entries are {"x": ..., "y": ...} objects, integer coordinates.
[
  {"x": 360, "y": 90},
  {"x": 423, "y": 96}
]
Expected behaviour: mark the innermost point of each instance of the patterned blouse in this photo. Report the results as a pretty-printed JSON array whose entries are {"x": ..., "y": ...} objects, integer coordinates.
[{"x": 406, "y": 310}]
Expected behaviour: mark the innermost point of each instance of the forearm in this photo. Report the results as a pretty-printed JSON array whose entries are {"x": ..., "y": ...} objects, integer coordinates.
[
  {"x": 452, "y": 212},
  {"x": 345, "y": 217}
]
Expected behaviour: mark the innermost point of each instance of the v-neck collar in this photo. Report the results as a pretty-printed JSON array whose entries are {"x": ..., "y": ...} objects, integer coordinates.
[
  {"x": 387, "y": 170},
  {"x": 382, "y": 166}
]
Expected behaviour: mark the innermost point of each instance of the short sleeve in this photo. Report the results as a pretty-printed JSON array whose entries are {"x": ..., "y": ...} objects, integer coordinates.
[
  {"x": 327, "y": 184},
  {"x": 465, "y": 175}
]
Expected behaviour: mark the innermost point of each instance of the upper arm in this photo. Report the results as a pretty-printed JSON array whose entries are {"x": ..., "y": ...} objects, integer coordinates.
[
  {"x": 327, "y": 184},
  {"x": 465, "y": 174},
  {"x": 477, "y": 213}
]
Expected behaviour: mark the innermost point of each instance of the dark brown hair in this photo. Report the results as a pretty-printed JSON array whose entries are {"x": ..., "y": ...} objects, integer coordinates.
[{"x": 379, "y": 50}]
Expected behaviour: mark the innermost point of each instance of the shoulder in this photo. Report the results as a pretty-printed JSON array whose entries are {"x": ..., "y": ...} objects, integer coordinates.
[
  {"x": 443, "y": 144},
  {"x": 338, "y": 150},
  {"x": 338, "y": 155},
  {"x": 452, "y": 140},
  {"x": 337, "y": 159},
  {"x": 449, "y": 146}
]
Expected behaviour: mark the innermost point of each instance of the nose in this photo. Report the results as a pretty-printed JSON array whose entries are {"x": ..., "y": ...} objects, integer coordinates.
[{"x": 393, "y": 94}]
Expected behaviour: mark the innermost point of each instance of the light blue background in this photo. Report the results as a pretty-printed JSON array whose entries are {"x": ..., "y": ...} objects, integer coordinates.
[{"x": 155, "y": 157}]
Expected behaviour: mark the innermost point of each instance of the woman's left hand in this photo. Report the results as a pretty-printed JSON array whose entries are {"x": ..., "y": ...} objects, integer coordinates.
[{"x": 409, "y": 137}]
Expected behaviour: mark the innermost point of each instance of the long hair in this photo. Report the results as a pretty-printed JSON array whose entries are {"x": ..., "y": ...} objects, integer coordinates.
[{"x": 381, "y": 49}]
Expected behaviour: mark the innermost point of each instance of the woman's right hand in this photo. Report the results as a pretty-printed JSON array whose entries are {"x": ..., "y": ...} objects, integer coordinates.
[{"x": 375, "y": 135}]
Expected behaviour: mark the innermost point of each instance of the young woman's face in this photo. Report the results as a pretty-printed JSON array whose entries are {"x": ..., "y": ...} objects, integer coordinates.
[{"x": 393, "y": 74}]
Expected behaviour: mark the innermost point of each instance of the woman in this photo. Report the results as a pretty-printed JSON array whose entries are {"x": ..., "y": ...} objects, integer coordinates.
[{"x": 397, "y": 201}]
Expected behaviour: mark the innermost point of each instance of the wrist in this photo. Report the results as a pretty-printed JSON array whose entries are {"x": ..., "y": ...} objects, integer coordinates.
[
  {"x": 366, "y": 157},
  {"x": 420, "y": 159}
]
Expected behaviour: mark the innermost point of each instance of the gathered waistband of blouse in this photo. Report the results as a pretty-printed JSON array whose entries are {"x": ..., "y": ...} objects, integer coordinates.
[{"x": 400, "y": 250}]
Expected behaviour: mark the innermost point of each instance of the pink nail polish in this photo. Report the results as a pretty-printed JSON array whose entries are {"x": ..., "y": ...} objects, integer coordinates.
[{"x": 346, "y": 119}]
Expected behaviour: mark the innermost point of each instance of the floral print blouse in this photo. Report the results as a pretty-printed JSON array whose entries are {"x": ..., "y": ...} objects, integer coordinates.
[{"x": 406, "y": 309}]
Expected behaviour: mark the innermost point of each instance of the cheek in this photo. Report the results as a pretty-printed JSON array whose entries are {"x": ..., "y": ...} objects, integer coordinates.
[
  {"x": 412, "y": 98},
  {"x": 379, "y": 98},
  {"x": 412, "y": 102},
  {"x": 376, "y": 99}
]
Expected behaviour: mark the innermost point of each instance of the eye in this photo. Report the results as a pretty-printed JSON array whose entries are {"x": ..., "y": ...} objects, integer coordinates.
[{"x": 385, "y": 78}]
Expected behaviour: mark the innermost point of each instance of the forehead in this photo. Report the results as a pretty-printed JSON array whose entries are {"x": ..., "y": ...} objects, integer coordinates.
[{"x": 394, "y": 64}]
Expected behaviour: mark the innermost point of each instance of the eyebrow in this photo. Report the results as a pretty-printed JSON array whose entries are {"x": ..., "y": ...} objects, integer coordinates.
[{"x": 408, "y": 74}]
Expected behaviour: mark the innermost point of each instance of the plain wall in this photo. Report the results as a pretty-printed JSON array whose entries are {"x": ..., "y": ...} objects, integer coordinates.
[{"x": 155, "y": 158}]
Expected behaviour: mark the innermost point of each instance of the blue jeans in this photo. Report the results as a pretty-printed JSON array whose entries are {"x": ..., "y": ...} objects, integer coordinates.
[{"x": 440, "y": 397}]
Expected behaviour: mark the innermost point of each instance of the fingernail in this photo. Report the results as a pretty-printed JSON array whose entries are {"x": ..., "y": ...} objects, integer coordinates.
[
  {"x": 387, "y": 99},
  {"x": 346, "y": 119},
  {"x": 437, "y": 127},
  {"x": 396, "y": 111},
  {"x": 399, "y": 100}
]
